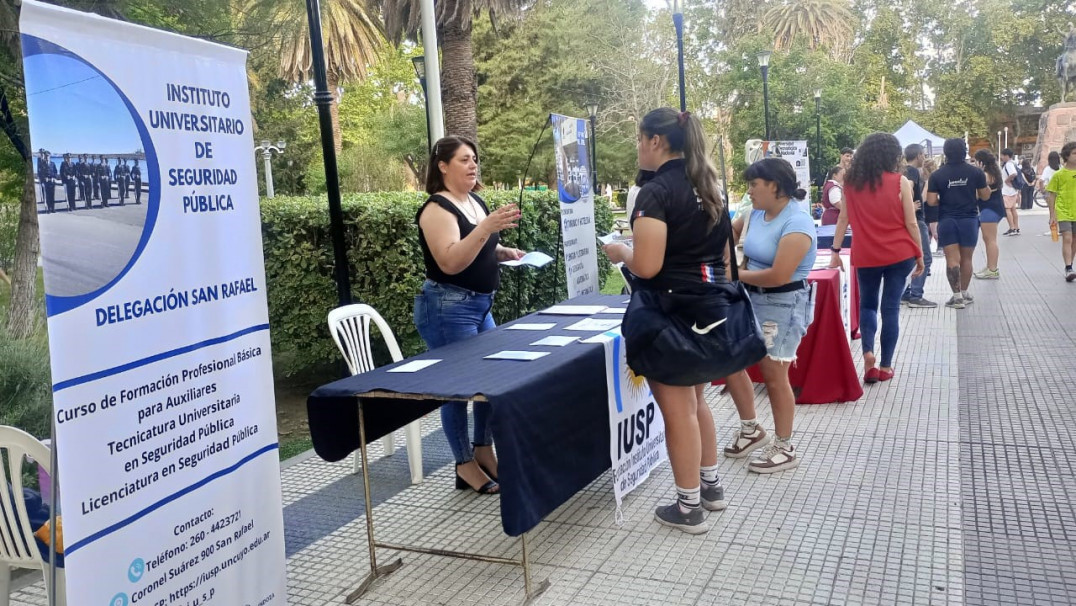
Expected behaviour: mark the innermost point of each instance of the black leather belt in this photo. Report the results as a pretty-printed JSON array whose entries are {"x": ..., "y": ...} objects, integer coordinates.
[{"x": 791, "y": 286}]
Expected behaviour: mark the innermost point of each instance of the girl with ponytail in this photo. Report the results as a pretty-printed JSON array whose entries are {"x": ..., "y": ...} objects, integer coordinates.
[{"x": 680, "y": 231}]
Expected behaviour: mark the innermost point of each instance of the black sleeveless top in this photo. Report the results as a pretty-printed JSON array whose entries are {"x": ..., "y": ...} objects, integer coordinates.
[{"x": 483, "y": 274}]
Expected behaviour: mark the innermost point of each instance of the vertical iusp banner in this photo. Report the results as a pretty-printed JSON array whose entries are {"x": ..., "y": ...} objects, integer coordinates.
[
  {"x": 157, "y": 318},
  {"x": 576, "y": 195}
]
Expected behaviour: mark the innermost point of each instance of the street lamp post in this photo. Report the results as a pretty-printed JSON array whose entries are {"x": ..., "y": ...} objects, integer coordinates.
[
  {"x": 999, "y": 142},
  {"x": 1006, "y": 138},
  {"x": 764, "y": 63},
  {"x": 678, "y": 23},
  {"x": 592, "y": 110},
  {"x": 267, "y": 149},
  {"x": 420, "y": 71},
  {"x": 818, "y": 134}
]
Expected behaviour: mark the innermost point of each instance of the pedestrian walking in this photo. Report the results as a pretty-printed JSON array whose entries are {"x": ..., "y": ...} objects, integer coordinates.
[
  {"x": 955, "y": 188},
  {"x": 1027, "y": 193},
  {"x": 886, "y": 249},
  {"x": 1061, "y": 198},
  {"x": 991, "y": 211},
  {"x": 1010, "y": 193},
  {"x": 916, "y": 156}
]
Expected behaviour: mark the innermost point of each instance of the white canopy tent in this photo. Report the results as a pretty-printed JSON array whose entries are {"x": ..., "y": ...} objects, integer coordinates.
[{"x": 913, "y": 133}]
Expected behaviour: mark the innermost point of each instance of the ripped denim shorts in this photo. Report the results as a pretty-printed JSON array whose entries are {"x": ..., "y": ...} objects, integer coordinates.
[{"x": 784, "y": 318}]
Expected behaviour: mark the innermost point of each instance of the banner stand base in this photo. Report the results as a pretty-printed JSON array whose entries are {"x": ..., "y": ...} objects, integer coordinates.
[{"x": 377, "y": 572}]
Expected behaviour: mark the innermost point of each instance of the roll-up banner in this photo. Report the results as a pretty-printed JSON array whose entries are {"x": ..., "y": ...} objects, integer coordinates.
[
  {"x": 576, "y": 195},
  {"x": 157, "y": 318}
]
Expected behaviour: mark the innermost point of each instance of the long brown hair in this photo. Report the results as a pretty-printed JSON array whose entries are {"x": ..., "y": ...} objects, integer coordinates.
[
  {"x": 684, "y": 134},
  {"x": 990, "y": 167},
  {"x": 879, "y": 153},
  {"x": 443, "y": 151}
]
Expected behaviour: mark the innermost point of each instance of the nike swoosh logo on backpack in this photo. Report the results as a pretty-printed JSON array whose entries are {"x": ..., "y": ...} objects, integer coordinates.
[{"x": 702, "y": 331}]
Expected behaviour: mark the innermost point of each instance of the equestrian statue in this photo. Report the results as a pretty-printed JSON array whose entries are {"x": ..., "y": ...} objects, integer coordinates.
[{"x": 1066, "y": 64}]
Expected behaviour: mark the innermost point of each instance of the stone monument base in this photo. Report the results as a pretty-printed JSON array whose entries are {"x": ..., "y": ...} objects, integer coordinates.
[{"x": 1057, "y": 126}]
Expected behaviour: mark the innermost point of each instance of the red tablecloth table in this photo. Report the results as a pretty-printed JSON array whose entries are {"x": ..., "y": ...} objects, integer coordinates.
[{"x": 824, "y": 371}]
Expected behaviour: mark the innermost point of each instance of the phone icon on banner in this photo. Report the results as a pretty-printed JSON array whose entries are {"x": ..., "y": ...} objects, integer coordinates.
[{"x": 119, "y": 600}]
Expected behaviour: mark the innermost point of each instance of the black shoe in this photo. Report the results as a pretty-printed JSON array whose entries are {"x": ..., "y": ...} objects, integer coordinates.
[{"x": 490, "y": 487}]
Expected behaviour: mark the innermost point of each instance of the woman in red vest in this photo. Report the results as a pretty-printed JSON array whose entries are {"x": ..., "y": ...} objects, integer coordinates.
[
  {"x": 833, "y": 195},
  {"x": 886, "y": 250}
]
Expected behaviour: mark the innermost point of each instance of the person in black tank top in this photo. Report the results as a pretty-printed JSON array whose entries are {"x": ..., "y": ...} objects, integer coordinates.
[
  {"x": 461, "y": 250},
  {"x": 991, "y": 211},
  {"x": 680, "y": 231}
]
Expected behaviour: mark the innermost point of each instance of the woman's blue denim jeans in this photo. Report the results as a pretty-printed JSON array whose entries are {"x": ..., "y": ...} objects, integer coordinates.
[
  {"x": 445, "y": 314},
  {"x": 891, "y": 280}
]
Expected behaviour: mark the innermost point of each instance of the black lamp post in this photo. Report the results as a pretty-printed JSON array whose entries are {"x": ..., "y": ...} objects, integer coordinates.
[
  {"x": 323, "y": 98},
  {"x": 764, "y": 63},
  {"x": 592, "y": 111},
  {"x": 818, "y": 133},
  {"x": 420, "y": 71},
  {"x": 678, "y": 23}
]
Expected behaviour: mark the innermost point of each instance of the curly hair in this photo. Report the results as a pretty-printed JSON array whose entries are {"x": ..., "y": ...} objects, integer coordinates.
[
  {"x": 878, "y": 153},
  {"x": 990, "y": 167}
]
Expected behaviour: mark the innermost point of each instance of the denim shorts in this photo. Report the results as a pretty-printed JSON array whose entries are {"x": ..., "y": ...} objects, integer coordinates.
[
  {"x": 784, "y": 318},
  {"x": 989, "y": 215},
  {"x": 963, "y": 231}
]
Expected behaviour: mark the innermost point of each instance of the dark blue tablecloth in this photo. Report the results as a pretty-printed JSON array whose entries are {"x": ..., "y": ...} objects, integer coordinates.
[
  {"x": 550, "y": 416},
  {"x": 825, "y": 237}
]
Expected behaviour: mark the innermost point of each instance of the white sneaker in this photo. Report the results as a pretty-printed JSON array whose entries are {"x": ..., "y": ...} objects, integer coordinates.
[{"x": 779, "y": 456}]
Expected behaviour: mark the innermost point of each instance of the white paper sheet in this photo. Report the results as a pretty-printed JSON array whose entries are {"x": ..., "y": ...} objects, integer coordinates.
[
  {"x": 542, "y": 326},
  {"x": 535, "y": 259},
  {"x": 556, "y": 341},
  {"x": 414, "y": 366},
  {"x": 614, "y": 237},
  {"x": 522, "y": 356},
  {"x": 614, "y": 310},
  {"x": 594, "y": 325},
  {"x": 573, "y": 310}
]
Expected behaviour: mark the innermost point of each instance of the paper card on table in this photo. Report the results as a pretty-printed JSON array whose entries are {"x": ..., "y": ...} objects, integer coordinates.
[
  {"x": 523, "y": 356},
  {"x": 614, "y": 310},
  {"x": 540, "y": 326},
  {"x": 414, "y": 366},
  {"x": 573, "y": 310},
  {"x": 594, "y": 325},
  {"x": 535, "y": 259},
  {"x": 556, "y": 341}
]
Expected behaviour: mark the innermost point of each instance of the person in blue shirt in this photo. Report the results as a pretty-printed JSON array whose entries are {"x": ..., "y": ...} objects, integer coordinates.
[{"x": 779, "y": 247}]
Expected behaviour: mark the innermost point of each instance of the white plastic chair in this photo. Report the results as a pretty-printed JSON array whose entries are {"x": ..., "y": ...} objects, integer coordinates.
[
  {"x": 17, "y": 546},
  {"x": 350, "y": 328}
]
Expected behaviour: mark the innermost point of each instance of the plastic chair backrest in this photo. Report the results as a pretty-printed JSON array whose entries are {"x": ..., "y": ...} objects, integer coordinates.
[
  {"x": 17, "y": 544},
  {"x": 350, "y": 328}
]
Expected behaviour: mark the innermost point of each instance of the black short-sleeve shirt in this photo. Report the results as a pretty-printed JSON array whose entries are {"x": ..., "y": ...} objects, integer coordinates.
[
  {"x": 956, "y": 185},
  {"x": 694, "y": 252},
  {"x": 913, "y": 175}
]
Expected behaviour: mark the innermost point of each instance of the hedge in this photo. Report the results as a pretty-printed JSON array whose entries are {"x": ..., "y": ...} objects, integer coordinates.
[{"x": 386, "y": 266}]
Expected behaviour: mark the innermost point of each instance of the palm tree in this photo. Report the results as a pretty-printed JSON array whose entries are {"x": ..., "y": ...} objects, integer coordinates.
[
  {"x": 353, "y": 41},
  {"x": 824, "y": 23},
  {"x": 454, "y": 19}
]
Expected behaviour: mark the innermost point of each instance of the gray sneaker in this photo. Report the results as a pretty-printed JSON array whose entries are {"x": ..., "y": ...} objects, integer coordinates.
[
  {"x": 692, "y": 522},
  {"x": 713, "y": 496},
  {"x": 968, "y": 299},
  {"x": 955, "y": 302},
  {"x": 921, "y": 303}
]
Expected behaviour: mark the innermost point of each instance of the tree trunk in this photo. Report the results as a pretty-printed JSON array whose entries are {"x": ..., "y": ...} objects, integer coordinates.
[
  {"x": 22, "y": 312},
  {"x": 334, "y": 111},
  {"x": 458, "y": 84}
]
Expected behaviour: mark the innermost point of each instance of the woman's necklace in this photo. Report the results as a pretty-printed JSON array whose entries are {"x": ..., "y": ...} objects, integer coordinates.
[{"x": 469, "y": 211}]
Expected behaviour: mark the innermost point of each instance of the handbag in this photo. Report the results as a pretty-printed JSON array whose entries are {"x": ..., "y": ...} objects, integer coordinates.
[{"x": 693, "y": 336}]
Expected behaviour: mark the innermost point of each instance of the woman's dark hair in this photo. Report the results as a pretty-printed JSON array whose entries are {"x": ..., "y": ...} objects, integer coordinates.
[
  {"x": 443, "y": 151},
  {"x": 833, "y": 172},
  {"x": 779, "y": 171},
  {"x": 878, "y": 153},
  {"x": 1025, "y": 164},
  {"x": 683, "y": 132},
  {"x": 1054, "y": 160},
  {"x": 1067, "y": 149},
  {"x": 643, "y": 176},
  {"x": 990, "y": 166}
]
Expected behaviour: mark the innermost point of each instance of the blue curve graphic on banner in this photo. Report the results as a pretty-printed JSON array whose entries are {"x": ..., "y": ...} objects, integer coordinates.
[{"x": 55, "y": 305}]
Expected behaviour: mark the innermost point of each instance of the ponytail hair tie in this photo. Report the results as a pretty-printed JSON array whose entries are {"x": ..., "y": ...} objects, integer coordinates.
[{"x": 681, "y": 118}]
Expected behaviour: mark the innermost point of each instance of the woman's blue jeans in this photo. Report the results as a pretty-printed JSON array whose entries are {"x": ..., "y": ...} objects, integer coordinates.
[
  {"x": 445, "y": 314},
  {"x": 890, "y": 280}
]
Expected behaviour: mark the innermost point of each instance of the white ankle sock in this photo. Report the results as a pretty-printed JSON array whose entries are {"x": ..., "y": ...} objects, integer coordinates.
[
  {"x": 689, "y": 498},
  {"x": 748, "y": 425},
  {"x": 708, "y": 473}
]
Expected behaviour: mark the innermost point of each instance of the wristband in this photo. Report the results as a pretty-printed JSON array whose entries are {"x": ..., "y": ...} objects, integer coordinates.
[{"x": 836, "y": 250}]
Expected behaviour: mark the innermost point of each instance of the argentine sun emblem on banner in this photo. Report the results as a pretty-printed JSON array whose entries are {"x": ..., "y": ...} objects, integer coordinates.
[{"x": 635, "y": 423}]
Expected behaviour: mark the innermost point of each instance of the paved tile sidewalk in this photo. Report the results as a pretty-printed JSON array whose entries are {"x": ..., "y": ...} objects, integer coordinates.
[{"x": 936, "y": 488}]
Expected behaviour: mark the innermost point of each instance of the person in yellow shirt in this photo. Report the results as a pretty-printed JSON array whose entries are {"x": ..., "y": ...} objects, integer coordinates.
[{"x": 1061, "y": 197}]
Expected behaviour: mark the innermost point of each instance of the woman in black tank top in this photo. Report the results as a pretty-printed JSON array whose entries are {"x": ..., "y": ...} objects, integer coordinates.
[{"x": 459, "y": 238}]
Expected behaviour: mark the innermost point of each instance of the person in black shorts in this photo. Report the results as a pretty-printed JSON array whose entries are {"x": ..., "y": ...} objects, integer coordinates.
[{"x": 956, "y": 188}]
